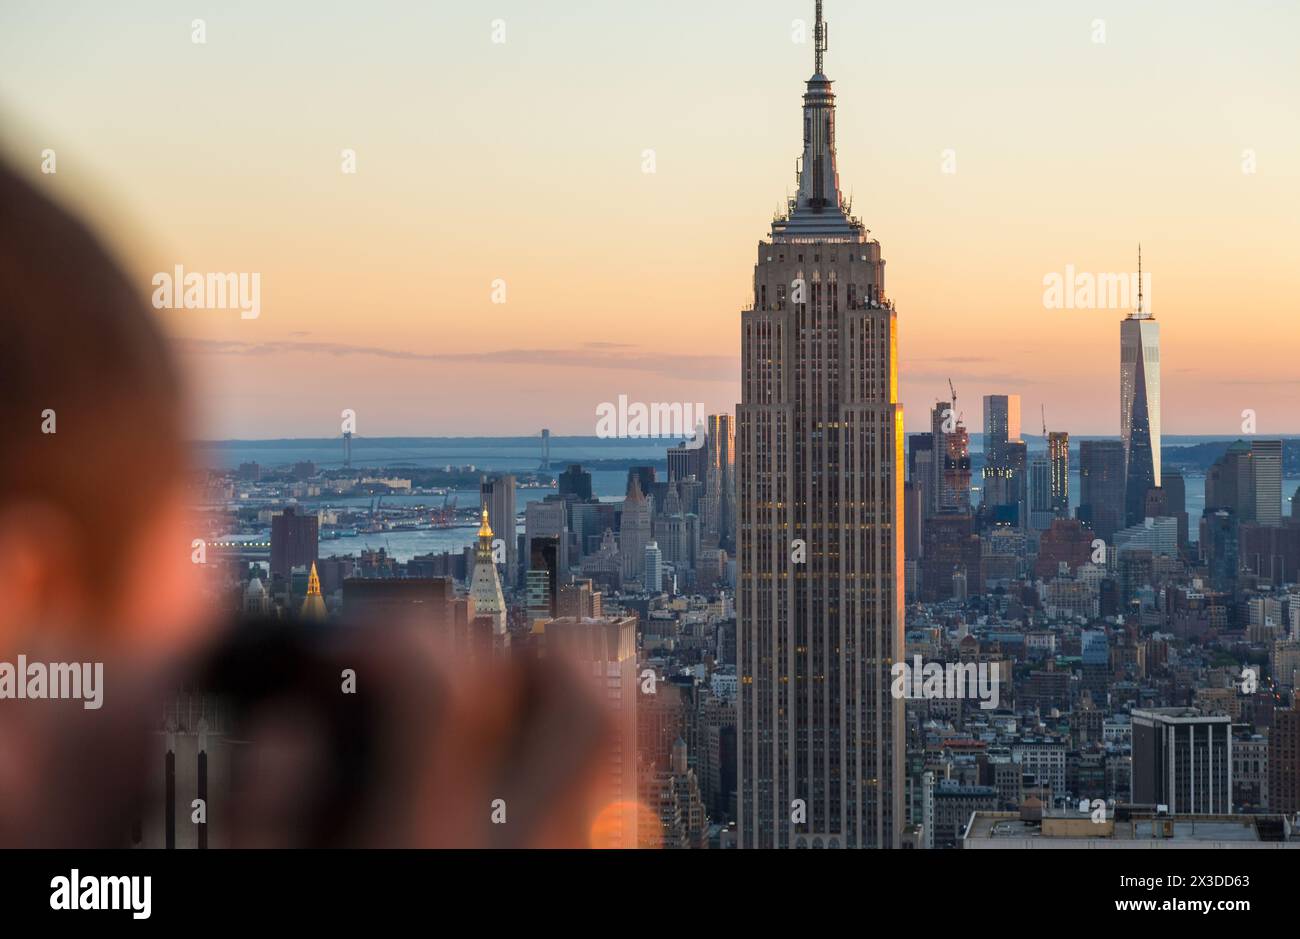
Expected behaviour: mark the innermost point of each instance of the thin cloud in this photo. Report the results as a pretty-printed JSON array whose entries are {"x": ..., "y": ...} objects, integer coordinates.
[
  {"x": 958, "y": 359},
  {"x": 709, "y": 368},
  {"x": 1263, "y": 382},
  {"x": 909, "y": 376}
]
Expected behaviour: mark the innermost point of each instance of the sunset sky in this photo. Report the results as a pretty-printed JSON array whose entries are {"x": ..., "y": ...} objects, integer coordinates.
[{"x": 523, "y": 161}]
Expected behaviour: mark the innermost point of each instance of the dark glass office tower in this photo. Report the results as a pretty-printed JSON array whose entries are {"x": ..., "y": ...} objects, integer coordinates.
[{"x": 1139, "y": 406}]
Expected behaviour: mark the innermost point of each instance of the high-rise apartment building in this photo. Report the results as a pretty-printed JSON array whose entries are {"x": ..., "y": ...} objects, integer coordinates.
[
  {"x": 576, "y": 482},
  {"x": 1058, "y": 453},
  {"x": 1001, "y": 426},
  {"x": 949, "y": 548},
  {"x": 1247, "y": 481},
  {"x": 547, "y": 521},
  {"x": 819, "y": 462},
  {"x": 1284, "y": 761},
  {"x": 295, "y": 540},
  {"x": 497, "y": 495},
  {"x": 578, "y": 599},
  {"x": 1267, "y": 479},
  {"x": 1005, "y": 498},
  {"x": 719, "y": 509},
  {"x": 950, "y": 449},
  {"x": 920, "y": 470},
  {"x": 1041, "y": 508},
  {"x": 653, "y": 575},
  {"x": 634, "y": 531},
  {"x": 956, "y": 471},
  {"x": 1004, "y": 480},
  {"x": 1101, "y": 486},
  {"x": 542, "y": 576},
  {"x": 684, "y": 461},
  {"x": 1228, "y": 483},
  {"x": 1175, "y": 493}
]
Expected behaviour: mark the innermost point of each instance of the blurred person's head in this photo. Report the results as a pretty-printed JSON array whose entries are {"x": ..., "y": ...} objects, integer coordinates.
[
  {"x": 426, "y": 747},
  {"x": 94, "y": 545},
  {"x": 95, "y": 556}
]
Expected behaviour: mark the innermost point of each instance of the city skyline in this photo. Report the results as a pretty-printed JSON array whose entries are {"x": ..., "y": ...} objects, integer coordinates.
[
  {"x": 440, "y": 429},
  {"x": 377, "y": 286}
]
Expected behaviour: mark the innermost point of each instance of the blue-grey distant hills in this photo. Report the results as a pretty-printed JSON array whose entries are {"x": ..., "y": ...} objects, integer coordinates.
[
  {"x": 1201, "y": 456},
  {"x": 486, "y": 453},
  {"x": 1194, "y": 453}
]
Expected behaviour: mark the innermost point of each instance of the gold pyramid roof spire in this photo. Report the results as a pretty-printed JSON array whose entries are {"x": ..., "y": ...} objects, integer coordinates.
[
  {"x": 313, "y": 606},
  {"x": 485, "y": 530}
]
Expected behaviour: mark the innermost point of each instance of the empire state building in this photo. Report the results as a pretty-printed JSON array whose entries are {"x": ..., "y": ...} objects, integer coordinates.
[{"x": 819, "y": 511}]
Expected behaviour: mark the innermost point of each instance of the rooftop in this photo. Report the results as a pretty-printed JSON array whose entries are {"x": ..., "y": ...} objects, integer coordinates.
[{"x": 1065, "y": 829}]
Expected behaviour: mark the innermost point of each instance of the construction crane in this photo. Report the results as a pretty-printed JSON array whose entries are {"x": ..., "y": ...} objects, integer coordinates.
[
  {"x": 954, "y": 400},
  {"x": 445, "y": 517}
]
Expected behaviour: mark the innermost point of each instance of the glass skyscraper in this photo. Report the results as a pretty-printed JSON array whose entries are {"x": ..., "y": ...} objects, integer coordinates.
[{"x": 1139, "y": 406}]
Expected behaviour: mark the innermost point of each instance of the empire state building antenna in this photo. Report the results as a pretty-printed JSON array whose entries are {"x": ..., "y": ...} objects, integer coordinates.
[{"x": 820, "y": 37}]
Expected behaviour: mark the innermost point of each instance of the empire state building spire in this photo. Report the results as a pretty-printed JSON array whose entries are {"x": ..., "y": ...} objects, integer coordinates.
[
  {"x": 818, "y": 211},
  {"x": 819, "y": 39}
]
